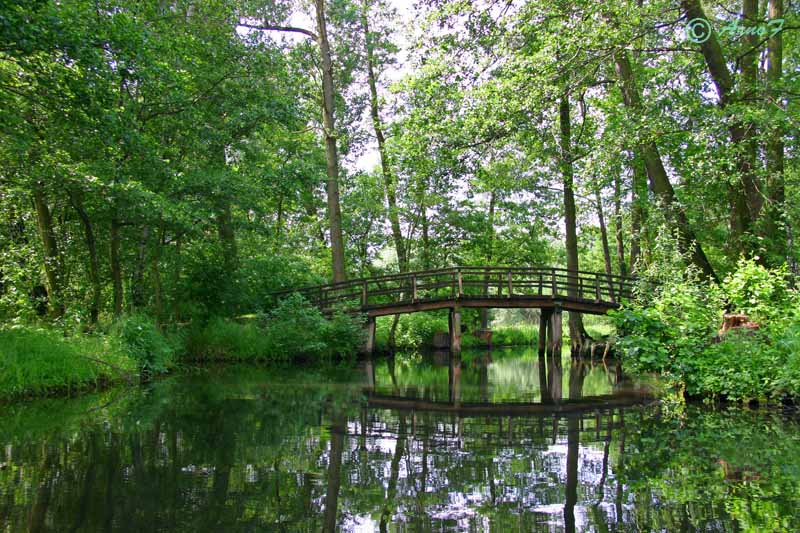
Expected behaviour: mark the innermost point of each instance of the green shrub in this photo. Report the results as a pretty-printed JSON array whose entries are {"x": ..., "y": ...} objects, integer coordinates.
[
  {"x": 209, "y": 288},
  {"x": 138, "y": 336},
  {"x": 294, "y": 329},
  {"x": 758, "y": 292},
  {"x": 414, "y": 330},
  {"x": 673, "y": 332},
  {"x": 743, "y": 366},
  {"x": 223, "y": 339},
  {"x": 343, "y": 336},
  {"x": 515, "y": 336}
]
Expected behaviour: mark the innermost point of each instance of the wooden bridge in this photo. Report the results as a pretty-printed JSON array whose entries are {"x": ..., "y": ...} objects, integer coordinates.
[{"x": 550, "y": 289}]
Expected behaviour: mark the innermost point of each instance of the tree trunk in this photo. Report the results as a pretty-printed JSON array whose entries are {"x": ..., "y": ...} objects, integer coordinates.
[
  {"x": 155, "y": 272},
  {"x": 76, "y": 198},
  {"x": 176, "y": 279},
  {"x": 638, "y": 205},
  {"x": 776, "y": 227},
  {"x": 484, "y": 313},
  {"x": 116, "y": 265},
  {"x": 426, "y": 241},
  {"x": 578, "y": 337},
  {"x": 659, "y": 181},
  {"x": 623, "y": 267},
  {"x": 389, "y": 183},
  {"x": 743, "y": 193},
  {"x": 227, "y": 235},
  {"x": 138, "y": 298},
  {"x": 331, "y": 153},
  {"x": 604, "y": 239},
  {"x": 53, "y": 267}
]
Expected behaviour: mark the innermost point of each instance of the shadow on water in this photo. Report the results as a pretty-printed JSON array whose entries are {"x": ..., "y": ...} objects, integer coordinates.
[{"x": 491, "y": 440}]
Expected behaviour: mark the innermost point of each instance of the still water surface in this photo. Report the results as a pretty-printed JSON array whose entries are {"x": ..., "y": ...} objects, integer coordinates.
[{"x": 490, "y": 442}]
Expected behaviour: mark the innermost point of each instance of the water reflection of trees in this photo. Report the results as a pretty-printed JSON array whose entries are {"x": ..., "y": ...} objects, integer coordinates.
[{"x": 250, "y": 454}]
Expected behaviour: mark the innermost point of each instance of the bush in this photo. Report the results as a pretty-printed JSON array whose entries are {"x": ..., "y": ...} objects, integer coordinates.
[
  {"x": 515, "y": 336},
  {"x": 213, "y": 290},
  {"x": 343, "y": 336},
  {"x": 223, "y": 339},
  {"x": 414, "y": 330},
  {"x": 138, "y": 336},
  {"x": 758, "y": 292},
  {"x": 292, "y": 330},
  {"x": 675, "y": 334}
]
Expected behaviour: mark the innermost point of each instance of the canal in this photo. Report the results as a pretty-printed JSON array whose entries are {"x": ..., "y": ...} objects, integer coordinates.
[{"x": 499, "y": 441}]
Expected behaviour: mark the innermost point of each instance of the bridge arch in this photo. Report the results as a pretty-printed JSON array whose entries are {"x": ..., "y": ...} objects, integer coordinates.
[{"x": 550, "y": 289}]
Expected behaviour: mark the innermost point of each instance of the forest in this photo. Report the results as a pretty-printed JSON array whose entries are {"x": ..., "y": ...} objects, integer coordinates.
[{"x": 166, "y": 165}]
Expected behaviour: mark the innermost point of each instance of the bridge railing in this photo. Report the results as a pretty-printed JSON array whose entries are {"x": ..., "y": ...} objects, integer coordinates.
[{"x": 472, "y": 282}]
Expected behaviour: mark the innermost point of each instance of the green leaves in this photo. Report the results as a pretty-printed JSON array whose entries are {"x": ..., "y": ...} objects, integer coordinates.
[{"x": 674, "y": 333}]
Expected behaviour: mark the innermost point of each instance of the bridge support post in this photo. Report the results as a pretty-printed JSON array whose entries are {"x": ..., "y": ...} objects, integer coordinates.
[
  {"x": 455, "y": 330},
  {"x": 544, "y": 318},
  {"x": 555, "y": 332},
  {"x": 369, "y": 342}
]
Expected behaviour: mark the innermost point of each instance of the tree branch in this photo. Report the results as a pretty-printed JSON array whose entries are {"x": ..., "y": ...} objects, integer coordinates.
[{"x": 270, "y": 27}]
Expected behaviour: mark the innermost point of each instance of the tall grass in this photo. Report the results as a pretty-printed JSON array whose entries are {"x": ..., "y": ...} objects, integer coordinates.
[
  {"x": 36, "y": 361},
  {"x": 225, "y": 340},
  {"x": 294, "y": 330},
  {"x": 519, "y": 335}
]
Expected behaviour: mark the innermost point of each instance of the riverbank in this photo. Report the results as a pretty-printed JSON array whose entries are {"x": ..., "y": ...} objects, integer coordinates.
[
  {"x": 40, "y": 360},
  {"x": 678, "y": 329}
]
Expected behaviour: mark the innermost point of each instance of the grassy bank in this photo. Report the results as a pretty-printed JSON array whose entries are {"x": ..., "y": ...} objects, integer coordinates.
[
  {"x": 37, "y": 361},
  {"x": 674, "y": 331}
]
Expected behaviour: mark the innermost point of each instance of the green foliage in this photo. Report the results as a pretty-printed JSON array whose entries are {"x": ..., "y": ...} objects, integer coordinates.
[
  {"x": 211, "y": 289},
  {"x": 343, "y": 336},
  {"x": 414, "y": 331},
  {"x": 519, "y": 335},
  {"x": 296, "y": 328},
  {"x": 139, "y": 337},
  {"x": 222, "y": 339},
  {"x": 35, "y": 361},
  {"x": 293, "y": 330},
  {"x": 674, "y": 332},
  {"x": 759, "y": 292}
]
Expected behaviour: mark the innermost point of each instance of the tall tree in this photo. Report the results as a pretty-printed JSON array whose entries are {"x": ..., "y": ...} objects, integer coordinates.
[
  {"x": 327, "y": 100},
  {"x": 659, "y": 181},
  {"x": 389, "y": 179}
]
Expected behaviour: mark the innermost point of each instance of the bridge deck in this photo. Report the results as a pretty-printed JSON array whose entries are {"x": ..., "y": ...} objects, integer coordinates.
[{"x": 487, "y": 287}]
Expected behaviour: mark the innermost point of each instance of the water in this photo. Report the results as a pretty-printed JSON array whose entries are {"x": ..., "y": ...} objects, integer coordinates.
[{"x": 420, "y": 444}]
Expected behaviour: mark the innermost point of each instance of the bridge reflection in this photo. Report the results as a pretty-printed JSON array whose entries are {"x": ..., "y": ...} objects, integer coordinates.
[{"x": 430, "y": 423}]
